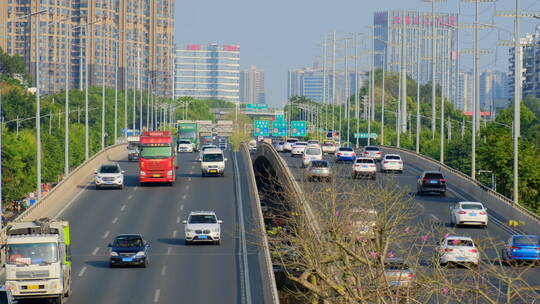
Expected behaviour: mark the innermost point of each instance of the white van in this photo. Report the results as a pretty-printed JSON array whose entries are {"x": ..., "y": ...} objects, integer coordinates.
[{"x": 213, "y": 162}]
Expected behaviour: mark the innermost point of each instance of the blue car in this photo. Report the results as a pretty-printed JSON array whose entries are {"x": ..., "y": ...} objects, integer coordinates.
[
  {"x": 129, "y": 249},
  {"x": 345, "y": 154},
  {"x": 522, "y": 248}
]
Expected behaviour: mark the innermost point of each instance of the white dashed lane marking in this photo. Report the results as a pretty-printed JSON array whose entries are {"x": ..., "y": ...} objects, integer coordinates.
[
  {"x": 156, "y": 295},
  {"x": 163, "y": 270},
  {"x": 115, "y": 220},
  {"x": 123, "y": 208},
  {"x": 95, "y": 251},
  {"x": 130, "y": 196},
  {"x": 81, "y": 273},
  {"x": 174, "y": 234},
  {"x": 106, "y": 235}
]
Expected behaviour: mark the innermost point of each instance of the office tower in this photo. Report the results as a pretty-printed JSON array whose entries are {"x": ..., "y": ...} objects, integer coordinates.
[
  {"x": 209, "y": 71},
  {"x": 128, "y": 32},
  {"x": 252, "y": 86}
]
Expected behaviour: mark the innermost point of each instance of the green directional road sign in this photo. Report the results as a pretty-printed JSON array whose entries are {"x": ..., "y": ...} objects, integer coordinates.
[
  {"x": 256, "y": 107},
  {"x": 279, "y": 115},
  {"x": 365, "y": 135},
  {"x": 298, "y": 128},
  {"x": 279, "y": 128},
  {"x": 261, "y": 128}
]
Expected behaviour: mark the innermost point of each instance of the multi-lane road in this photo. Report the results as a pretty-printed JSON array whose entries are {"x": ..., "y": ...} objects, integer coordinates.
[
  {"x": 177, "y": 273},
  {"x": 430, "y": 207}
]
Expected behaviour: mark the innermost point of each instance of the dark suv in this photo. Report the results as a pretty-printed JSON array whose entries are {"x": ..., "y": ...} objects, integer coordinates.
[
  {"x": 129, "y": 249},
  {"x": 431, "y": 181}
]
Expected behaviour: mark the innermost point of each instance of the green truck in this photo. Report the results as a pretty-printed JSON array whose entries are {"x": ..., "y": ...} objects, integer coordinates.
[{"x": 187, "y": 131}]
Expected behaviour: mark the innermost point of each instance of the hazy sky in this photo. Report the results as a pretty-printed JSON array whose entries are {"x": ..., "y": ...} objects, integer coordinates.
[{"x": 277, "y": 35}]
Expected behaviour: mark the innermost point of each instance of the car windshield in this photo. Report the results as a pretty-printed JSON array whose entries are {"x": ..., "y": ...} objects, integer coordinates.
[
  {"x": 392, "y": 157},
  {"x": 365, "y": 161},
  {"x": 300, "y": 144},
  {"x": 3, "y": 297},
  {"x": 459, "y": 242},
  {"x": 28, "y": 254},
  {"x": 133, "y": 145},
  {"x": 320, "y": 164},
  {"x": 292, "y": 140},
  {"x": 128, "y": 241},
  {"x": 530, "y": 240},
  {"x": 212, "y": 157},
  {"x": 313, "y": 141},
  {"x": 471, "y": 206},
  {"x": 109, "y": 169},
  {"x": 184, "y": 142},
  {"x": 346, "y": 149},
  {"x": 202, "y": 219},
  {"x": 313, "y": 151},
  {"x": 396, "y": 266},
  {"x": 433, "y": 176},
  {"x": 208, "y": 147},
  {"x": 371, "y": 149},
  {"x": 156, "y": 152}
]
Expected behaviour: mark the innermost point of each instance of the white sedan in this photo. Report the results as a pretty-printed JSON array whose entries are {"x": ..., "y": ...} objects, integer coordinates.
[
  {"x": 392, "y": 162},
  {"x": 298, "y": 148},
  {"x": 469, "y": 213},
  {"x": 458, "y": 250}
]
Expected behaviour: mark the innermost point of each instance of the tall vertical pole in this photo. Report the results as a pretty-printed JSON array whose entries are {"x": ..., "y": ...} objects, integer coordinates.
[
  {"x": 403, "y": 120},
  {"x": 418, "y": 118},
  {"x": 125, "y": 72},
  {"x": 334, "y": 82},
  {"x": 382, "y": 93},
  {"x": 325, "y": 100},
  {"x": 86, "y": 116},
  {"x": 433, "y": 69},
  {"x": 115, "y": 92},
  {"x": 517, "y": 101},
  {"x": 38, "y": 109},
  {"x": 356, "y": 83},
  {"x": 66, "y": 124},
  {"x": 103, "y": 86},
  {"x": 476, "y": 91},
  {"x": 371, "y": 102},
  {"x": 445, "y": 60},
  {"x": 140, "y": 97},
  {"x": 347, "y": 99},
  {"x": 148, "y": 105}
]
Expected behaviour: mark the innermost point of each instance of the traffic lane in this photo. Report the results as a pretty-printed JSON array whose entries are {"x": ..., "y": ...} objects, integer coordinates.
[
  {"x": 206, "y": 273},
  {"x": 144, "y": 211},
  {"x": 435, "y": 208}
]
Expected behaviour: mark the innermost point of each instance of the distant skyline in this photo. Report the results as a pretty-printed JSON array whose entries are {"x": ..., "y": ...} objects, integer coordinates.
[{"x": 280, "y": 35}]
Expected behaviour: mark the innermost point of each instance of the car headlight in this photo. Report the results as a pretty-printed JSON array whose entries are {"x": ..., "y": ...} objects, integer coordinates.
[
  {"x": 114, "y": 253},
  {"x": 140, "y": 254},
  {"x": 142, "y": 173},
  {"x": 189, "y": 230},
  {"x": 54, "y": 284},
  {"x": 169, "y": 172}
]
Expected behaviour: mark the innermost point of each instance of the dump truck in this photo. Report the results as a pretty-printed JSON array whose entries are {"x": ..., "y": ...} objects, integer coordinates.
[{"x": 38, "y": 259}]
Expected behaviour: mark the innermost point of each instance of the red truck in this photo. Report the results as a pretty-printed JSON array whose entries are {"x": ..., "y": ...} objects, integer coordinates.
[{"x": 157, "y": 158}]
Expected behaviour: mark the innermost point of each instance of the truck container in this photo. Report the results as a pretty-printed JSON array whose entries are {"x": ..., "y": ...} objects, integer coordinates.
[
  {"x": 38, "y": 260},
  {"x": 157, "y": 158},
  {"x": 188, "y": 131}
]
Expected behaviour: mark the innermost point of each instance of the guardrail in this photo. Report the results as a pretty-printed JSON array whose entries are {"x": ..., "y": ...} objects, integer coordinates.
[
  {"x": 244, "y": 150},
  {"x": 267, "y": 151},
  {"x": 71, "y": 186}
]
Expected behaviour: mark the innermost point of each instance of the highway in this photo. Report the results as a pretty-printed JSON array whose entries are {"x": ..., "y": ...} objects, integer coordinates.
[
  {"x": 431, "y": 207},
  {"x": 177, "y": 273}
]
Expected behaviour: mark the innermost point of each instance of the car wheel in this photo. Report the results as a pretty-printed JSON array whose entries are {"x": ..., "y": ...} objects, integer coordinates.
[
  {"x": 443, "y": 264},
  {"x": 419, "y": 192},
  {"x": 328, "y": 179},
  {"x": 121, "y": 187},
  {"x": 217, "y": 242},
  {"x": 188, "y": 242},
  {"x": 203, "y": 174},
  {"x": 374, "y": 177},
  {"x": 443, "y": 194},
  {"x": 111, "y": 265},
  {"x": 145, "y": 264}
]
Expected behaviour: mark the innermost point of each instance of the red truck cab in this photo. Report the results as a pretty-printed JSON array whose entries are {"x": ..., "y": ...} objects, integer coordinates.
[{"x": 157, "y": 158}]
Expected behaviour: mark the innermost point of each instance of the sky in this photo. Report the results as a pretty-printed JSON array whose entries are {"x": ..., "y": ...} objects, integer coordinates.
[{"x": 278, "y": 35}]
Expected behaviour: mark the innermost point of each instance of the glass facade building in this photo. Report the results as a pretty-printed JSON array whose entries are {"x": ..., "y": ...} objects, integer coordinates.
[{"x": 207, "y": 72}]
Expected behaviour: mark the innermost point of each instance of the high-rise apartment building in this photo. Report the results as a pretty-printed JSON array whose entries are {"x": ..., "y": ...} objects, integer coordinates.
[
  {"x": 530, "y": 65},
  {"x": 465, "y": 97},
  {"x": 135, "y": 35},
  {"x": 207, "y": 72},
  {"x": 252, "y": 86},
  {"x": 493, "y": 89},
  {"x": 417, "y": 29}
]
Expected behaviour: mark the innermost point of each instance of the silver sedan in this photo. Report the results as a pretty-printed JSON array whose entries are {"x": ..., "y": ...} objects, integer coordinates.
[{"x": 318, "y": 170}]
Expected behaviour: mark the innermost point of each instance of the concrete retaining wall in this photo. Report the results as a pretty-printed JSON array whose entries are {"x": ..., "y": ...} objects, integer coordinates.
[{"x": 59, "y": 198}]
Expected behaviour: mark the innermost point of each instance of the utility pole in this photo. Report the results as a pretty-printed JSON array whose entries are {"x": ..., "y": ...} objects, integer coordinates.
[
  {"x": 441, "y": 149},
  {"x": 356, "y": 83},
  {"x": 86, "y": 118},
  {"x": 346, "y": 89},
  {"x": 38, "y": 108},
  {"x": 382, "y": 92},
  {"x": 324, "y": 99},
  {"x": 140, "y": 99},
  {"x": 418, "y": 118},
  {"x": 66, "y": 125},
  {"x": 334, "y": 83},
  {"x": 518, "y": 60},
  {"x": 115, "y": 92},
  {"x": 371, "y": 103},
  {"x": 476, "y": 91},
  {"x": 433, "y": 68},
  {"x": 126, "y": 92},
  {"x": 103, "y": 86},
  {"x": 403, "y": 120}
]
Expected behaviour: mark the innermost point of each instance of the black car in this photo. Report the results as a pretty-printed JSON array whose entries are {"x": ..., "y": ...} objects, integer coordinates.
[
  {"x": 431, "y": 181},
  {"x": 129, "y": 249}
]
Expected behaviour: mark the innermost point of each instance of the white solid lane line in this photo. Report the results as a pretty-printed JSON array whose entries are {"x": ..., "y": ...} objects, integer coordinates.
[
  {"x": 106, "y": 235},
  {"x": 115, "y": 220},
  {"x": 95, "y": 251},
  {"x": 81, "y": 273},
  {"x": 156, "y": 295}
]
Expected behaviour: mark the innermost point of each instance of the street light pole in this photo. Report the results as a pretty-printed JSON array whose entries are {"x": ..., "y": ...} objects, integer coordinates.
[
  {"x": 517, "y": 101},
  {"x": 66, "y": 125},
  {"x": 476, "y": 90},
  {"x": 38, "y": 110},
  {"x": 103, "y": 87},
  {"x": 115, "y": 92}
]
